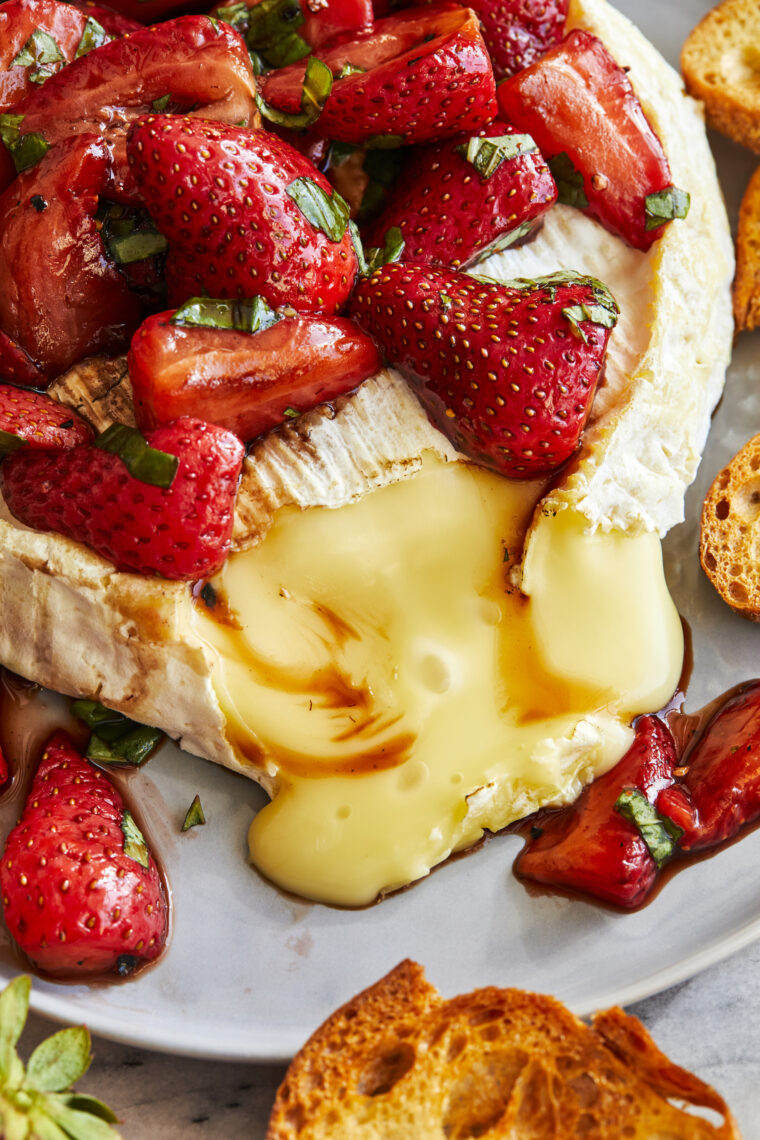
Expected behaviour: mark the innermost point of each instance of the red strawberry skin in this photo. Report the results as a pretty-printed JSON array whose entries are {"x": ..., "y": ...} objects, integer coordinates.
[
  {"x": 74, "y": 901},
  {"x": 41, "y": 422},
  {"x": 19, "y": 19},
  {"x": 427, "y": 75},
  {"x": 449, "y": 215},
  {"x": 502, "y": 371},
  {"x": 589, "y": 846},
  {"x": 518, "y": 32},
  {"x": 242, "y": 381},
  {"x": 88, "y": 495},
  {"x": 218, "y": 194}
]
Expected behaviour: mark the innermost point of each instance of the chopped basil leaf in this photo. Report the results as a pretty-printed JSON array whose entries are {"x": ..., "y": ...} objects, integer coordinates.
[
  {"x": 160, "y": 105},
  {"x": 234, "y": 14},
  {"x": 106, "y": 722},
  {"x": 350, "y": 69},
  {"x": 135, "y": 846},
  {"x": 38, "y": 202},
  {"x": 384, "y": 142},
  {"x": 128, "y": 234},
  {"x": 214, "y": 24},
  {"x": 194, "y": 815},
  {"x": 596, "y": 314},
  {"x": 251, "y": 315},
  {"x": 138, "y": 246},
  {"x": 39, "y": 51},
  {"x": 142, "y": 461},
  {"x": 487, "y": 155},
  {"x": 666, "y": 205},
  {"x": 9, "y": 129},
  {"x": 93, "y": 36},
  {"x": 115, "y": 738},
  {"x": 271, "y": 32},
  {"x": 358, "y": 248},
  {"x": 9, "y": 441},
  {"x": 340, "y": 152},
  {"x": 25, "y": 150},
  {"x": 317, "y": 85},
  {"x": 570, "y": 188},
  {"x": 659, "y": 832},
  {"x": 326, "y": 212},
  {"x": 553, "y": 281},
  {"x": 393, "y": 247}
]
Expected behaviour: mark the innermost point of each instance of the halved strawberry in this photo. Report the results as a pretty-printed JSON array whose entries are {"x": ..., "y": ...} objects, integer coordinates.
[
  {"x": 81, "y": 891},
  {"x": 177, "y": 524},
  {"x": 581, "y": 109},
  {"x": 518, "y": 32},
  {"x": 31, "y": 419},
  {"x": 62, "y": 297},
  {"x": 508, "y": 372},
  {"x": 595, "y": 845},
  {"x": 191, "y": 64},
  {"x": 244, "y": 213},
  {"x": 37, "y": 39},
  {"x": 467, "y": 197},
  {"x": 421, "y": 75},
  {"x": 242, "y": 365}
]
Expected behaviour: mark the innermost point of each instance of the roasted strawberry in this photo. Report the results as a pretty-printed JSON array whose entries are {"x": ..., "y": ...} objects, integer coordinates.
[
  {"x": 37, "y": 39},
  {"x": 62, "y": 297},
  {"x": 720, "y": 791},
  {"x": 244, "y": 213},
  {"x": 190, "y": 64},
  {"x": 172, "y": 517},
  {"x": 612, "y": 840},
  {"x": 581, "y": 109},
  {"x": 421, "y": 75},
  {"x": 81, "y": 891},
  {"x": 467, "y": 197},
  {"x": 508, "y": 372},
  {"x": 242, "y": 365},
  {"x": 31, "y": 419}
]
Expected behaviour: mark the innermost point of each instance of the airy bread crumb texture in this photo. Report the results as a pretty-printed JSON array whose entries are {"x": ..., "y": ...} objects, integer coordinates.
[
  {"x": 721, "y": 66},
  {"x": 747, "y": 281},
  {"x": 398, "y": 1062},
  {"x": 730, "y": 536}
]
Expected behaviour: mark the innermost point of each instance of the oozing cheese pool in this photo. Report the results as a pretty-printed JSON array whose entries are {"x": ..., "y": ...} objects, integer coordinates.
[{"x": 409, "y": 697}]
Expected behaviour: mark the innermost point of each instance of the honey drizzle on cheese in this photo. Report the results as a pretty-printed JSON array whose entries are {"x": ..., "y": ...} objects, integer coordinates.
[{"x": 407, "y": 696}]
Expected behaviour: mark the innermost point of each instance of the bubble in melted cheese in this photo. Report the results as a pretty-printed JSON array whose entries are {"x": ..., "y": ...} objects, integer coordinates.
[{"x": 406, "y": 696}]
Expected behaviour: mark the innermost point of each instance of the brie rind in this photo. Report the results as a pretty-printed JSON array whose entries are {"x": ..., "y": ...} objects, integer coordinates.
[{"x": 72, "y": 623}]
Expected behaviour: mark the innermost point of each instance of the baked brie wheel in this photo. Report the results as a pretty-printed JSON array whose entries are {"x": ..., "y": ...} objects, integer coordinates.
[{"x": 405, "y": 650}]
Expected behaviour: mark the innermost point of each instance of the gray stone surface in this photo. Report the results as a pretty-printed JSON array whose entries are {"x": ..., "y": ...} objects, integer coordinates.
[{"x": 710, "y": 1024}]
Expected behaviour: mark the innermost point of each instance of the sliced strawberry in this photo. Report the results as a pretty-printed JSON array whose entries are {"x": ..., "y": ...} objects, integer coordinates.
[
  {"x": 62, "y": 297},
  {"x": 323, "y": 22},
  {"x": 37, "y": 39},
  {"x": 281, "y": 32},
  {"x": 518, "y": 32},
  {"x": 244, "y": 213},
  {"x": 244, "y": 381},
  {"x": 508, "y": 372},
  {"x": 33, "y": 420},
  {"x": 112, "y": 21},
  {"x": 720, "y": 792},
  {"x": 190, "y": 64},
  {"x": 81, "y": 891},
  {"x": 454, "y": 210},
  {"x": 579, "y": 106},
  {"x": 179, "y": 531},
  {"x": 593, "y": 846},
  {"x": 421, "y": 75}
]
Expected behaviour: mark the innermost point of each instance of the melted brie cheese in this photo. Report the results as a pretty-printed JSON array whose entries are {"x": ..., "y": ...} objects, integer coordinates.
[{"x": 407, "y": 696}]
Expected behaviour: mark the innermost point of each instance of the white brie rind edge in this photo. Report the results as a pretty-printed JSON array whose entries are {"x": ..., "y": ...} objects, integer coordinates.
[{"x": 70, "y": 622}]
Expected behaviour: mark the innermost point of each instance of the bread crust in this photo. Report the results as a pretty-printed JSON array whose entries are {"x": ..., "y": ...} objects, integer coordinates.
[
  {"x": 71, "y": 622},
  {"x": 729, "y": 545},
  {"x": 719, "y": 63},
  {"x": 398, "y": 1061},
  {"x": 747, "y": 281}
]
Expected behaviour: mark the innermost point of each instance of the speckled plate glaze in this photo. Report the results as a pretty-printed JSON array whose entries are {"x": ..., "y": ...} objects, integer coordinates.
[{"x": 250, "y": 972}]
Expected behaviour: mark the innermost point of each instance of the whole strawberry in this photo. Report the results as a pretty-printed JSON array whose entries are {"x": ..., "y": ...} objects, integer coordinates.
[
  {"x": 244, "y": 214},
  {"x": 81, "y": 892},
  {"x": 508, "y": 372},
  {"x": 462, "y": 199},
  {"x": 178, "y": 531},
  {"x": 31, "y": 419}
]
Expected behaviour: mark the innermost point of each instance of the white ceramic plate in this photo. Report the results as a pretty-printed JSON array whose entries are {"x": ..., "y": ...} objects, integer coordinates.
[{"x": 250, "y": 973}]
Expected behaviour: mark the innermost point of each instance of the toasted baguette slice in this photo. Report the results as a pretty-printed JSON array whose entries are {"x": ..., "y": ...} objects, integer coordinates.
[
  {"x": 747, "y": 281},
  {"x": 399, "y": 1062},
  {"x": 719, "y": 63},
  {"x": 730, "y": 537}
]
